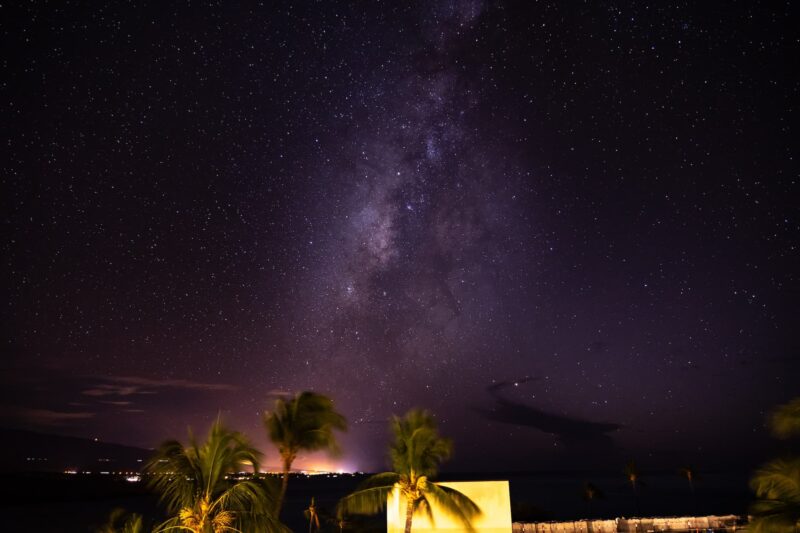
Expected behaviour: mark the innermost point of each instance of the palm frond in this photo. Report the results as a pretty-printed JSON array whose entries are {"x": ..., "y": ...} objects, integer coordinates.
[
  {"x": 778, "y": 479},
  {"x": 417, "y": 446},
  {"x": 247, "y": 495},
  {"x": 192, "y": 482},
  {"x": 774, "y": 516},
  {"x": 171, "y": 524},
  {"x": 173, "y": 473},
  {"x": 785, "y": 420},
  {"x": 119, "y": 521},
  {"x": 304, "y": 422},
  {"x": 116, "y": 516},
  {"x": 777, "y": 487},
  {"x": 367, "y": 501},
  {"x": 384, "y": 479},
  {"x": 134, "y": 524},
  {"x": 454, "y": 503},
  {"x": 423, "y": 506},
  {"x": 416, "y": 452}
]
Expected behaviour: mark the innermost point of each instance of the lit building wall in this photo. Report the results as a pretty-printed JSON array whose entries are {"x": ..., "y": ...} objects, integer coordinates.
[{"x": 492, "y": 497}]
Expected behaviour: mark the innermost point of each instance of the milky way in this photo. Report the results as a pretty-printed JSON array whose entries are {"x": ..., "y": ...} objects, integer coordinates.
[{"x": 557, "y": 227}]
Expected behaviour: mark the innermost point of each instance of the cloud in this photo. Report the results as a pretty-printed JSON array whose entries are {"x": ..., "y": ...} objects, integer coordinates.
[
  {"x": 47, "y": 417},
  {"x": 566, "y": 428},
  {"x": 173, "y": 383},
  {"x": 52, "y": 400},
  {"x": 278, "y": 393},
  {"x": 109, "y": 390},
  {"x": 130, "y": 385}
]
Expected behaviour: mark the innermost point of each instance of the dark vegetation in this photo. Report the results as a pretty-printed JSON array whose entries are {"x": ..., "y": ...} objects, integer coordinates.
[{"x": 207, "y": 498}]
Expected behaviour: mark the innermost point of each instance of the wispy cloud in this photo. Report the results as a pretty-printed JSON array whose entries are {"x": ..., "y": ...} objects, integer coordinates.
[
  {"x": 172, "y": 383},
  {"x": 104, "y": 389},
  {"x": 569, "y": 429},
  {"x": 130, "y": 385},
  {"x": 47, "y": 417}
]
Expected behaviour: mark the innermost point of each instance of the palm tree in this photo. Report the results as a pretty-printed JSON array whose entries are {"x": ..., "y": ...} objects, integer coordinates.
[
  {"x": 119, "y": 521},
  {"x": 777, "y": 484},
  {"x": 193, "y": 483},
  {"x": 415, "y": 454},
  {"x": 777, "y": 487},
  {"x": 590, "y": 494},
  {"x": 690, "y": 475},
  {"x": 633, "y": 475},
  {"x": 304, "y": 422},
  {"x": 312, "y": 515}
]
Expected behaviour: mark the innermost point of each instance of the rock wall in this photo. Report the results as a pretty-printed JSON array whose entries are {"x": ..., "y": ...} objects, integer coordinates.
[{"x": 635, "y": 525}]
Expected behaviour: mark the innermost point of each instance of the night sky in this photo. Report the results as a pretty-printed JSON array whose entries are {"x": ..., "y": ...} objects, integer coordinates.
[{"x": 561, "y": 226}]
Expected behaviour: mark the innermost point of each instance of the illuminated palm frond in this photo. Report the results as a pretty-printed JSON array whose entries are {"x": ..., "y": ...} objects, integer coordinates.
[
  {"x": 193, "y": 483},
  {"x": 454, "y": 503},
  {"x": 223, "y": 521},
  {"x": 424, "y": 507},
  {"x": 366, "y": 501},
  {"x": 415, "y": 453},
  {"x": 777, "y": 487}
]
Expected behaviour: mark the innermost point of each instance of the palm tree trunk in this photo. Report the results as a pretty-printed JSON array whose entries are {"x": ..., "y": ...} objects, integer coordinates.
[
  {"x": 409, "y": 515},
  {"x": 287, "y": 465}
]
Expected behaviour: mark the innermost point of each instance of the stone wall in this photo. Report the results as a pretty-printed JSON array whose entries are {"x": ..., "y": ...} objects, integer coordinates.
[{"x": 635, "y": 525}]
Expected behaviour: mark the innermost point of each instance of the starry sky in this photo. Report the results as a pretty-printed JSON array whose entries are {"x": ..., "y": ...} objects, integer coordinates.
[{"x": 560, "y": 226}]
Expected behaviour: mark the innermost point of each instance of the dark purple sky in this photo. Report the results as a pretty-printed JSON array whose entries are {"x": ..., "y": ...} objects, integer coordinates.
[{"x": 561, "y": 227}]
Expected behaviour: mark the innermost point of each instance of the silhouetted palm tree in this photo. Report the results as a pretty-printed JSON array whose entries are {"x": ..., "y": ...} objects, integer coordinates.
[
  {"x": 634, "y": 478},
  {"x": 590, "y": 494},
  {"x": 119, "y": 521},
  {"x": 689, "y": 474},
  {"x": 312, "y": 516},
  {"x": 415, "y": 454},
  {"x": 193, "y": 483},
  {"x": 303, "y": 423}
]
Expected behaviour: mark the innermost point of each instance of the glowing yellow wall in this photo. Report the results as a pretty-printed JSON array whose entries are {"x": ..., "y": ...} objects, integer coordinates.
[{"x": 491, "y": 496}]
